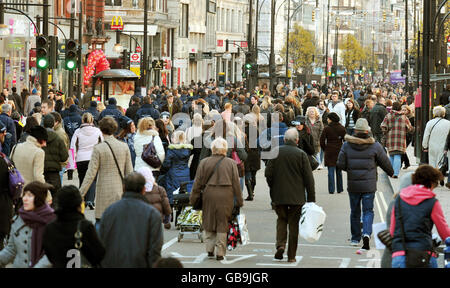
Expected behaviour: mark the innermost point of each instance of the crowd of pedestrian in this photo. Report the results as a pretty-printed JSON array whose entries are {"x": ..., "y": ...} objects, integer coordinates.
[{"x": 132, "y": 161}]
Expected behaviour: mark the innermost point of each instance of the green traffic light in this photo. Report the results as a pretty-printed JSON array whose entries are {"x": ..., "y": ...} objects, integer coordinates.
[
  {"x": 70, "y": 65},
  {"x": 42, "y": 63},
  {"x": 248, "y": 66}
]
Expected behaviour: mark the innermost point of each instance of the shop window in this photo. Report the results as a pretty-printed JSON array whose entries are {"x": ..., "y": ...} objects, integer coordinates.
[{"x": 113, "y": 2}]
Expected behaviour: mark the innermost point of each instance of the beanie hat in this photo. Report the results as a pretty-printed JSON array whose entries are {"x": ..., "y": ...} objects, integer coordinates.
[
  {"x": 93, "y": 104},
  {"x": 34, "y": 91},
  {"x": 37, "y": 104},
  {"x": 299, "y": 120},
  {"x": 334, "y": 117},
  {"x": 39, "y": 132},
  {"x": 124, "y": 121},
  {"x": 362, "y": 125},
  {"x": 68, "y": 199},
  {"x": 39, "y": 190},
  {"x": 112, "y": 101}
]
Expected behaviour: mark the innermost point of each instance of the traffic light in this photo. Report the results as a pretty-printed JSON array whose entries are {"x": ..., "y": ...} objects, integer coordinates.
[
  {"x": 125, "y": 59},
  {"x": 313, "y": 15},
  {"x": 404, "y": 68},
  {"x": 248, "y": 66},
  {"x": 71, "y": 55},
  {"x": 412, "y": 61},
  {"x": 42, "y": 52},
  {"x": 333, "y": 71}
]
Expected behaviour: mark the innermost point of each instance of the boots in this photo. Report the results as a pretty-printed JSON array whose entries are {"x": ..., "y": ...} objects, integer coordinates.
[{"x": 249, "y": 191}]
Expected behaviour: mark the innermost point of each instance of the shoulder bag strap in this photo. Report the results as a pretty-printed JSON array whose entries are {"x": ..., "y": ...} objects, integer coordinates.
[
  {"x": 214, "y": 171},
  {"x": 402, "y": 228},
  {"x": 115, "y": 160},
  {"x": 428, "y": 144}
]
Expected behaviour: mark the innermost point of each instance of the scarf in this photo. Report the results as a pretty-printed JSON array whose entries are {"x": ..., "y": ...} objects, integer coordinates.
[{"x": 37, "y": 220}]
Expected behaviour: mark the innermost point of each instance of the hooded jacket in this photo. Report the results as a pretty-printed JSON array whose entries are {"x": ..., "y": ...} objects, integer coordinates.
[
  {"x": 141, "y": 139},
  {"x": 72, "y": 121},
  {"x": 359, "y": 157},
  {"x": 111, "y": 110},
  {"x": 55, "y": 152},
  {"x": 176, "y": 165},
  {"x": 420, "y": 210},
  {"x": 83, "y": 141}
]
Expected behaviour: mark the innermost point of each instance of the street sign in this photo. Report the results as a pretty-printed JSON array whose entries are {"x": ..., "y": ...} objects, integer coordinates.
[
  {"x": 138, "y": 49},
  {"x": 135, "y": 63},
  {"x": 135, "y": 58},
  {"x": 158, "y": 64}
]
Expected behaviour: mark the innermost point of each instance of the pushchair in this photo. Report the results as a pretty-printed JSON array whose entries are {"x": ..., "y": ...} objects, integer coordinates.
[{"x": 189, "y": 221}]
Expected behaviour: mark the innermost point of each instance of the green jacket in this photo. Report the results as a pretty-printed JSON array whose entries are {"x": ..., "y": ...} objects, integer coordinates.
[{"x": 55, "y": 152}]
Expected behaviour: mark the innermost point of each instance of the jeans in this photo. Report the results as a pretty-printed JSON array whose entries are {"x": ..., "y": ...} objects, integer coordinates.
[
  {"x": 97, "y": 225},
  {"x": 350, "y": 131},
  {"x": 331, "y": 187},
  {"x": 54, "y": 179},
  {"x": 355, "y": 214},
  {"x": 61, "y": 175},
  {"x": 399, "y": 262},
  {"x": 241, "y": 182},
  {"x": 322, "y": 154},
  {"x": 396, "y": 162}
]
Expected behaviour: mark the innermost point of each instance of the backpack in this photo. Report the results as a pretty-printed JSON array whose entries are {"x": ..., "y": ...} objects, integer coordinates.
[{"x": 16, "y": 181}]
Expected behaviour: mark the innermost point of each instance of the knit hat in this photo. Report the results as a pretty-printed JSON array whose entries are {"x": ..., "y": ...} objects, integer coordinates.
[
  {"x": 149, "y": 179},
  {"x": 39, "y": 132},
  {"x": 68, "y": 199},
  {"x": 165, "y": 114},
  {"x": 93, "y": 104},
  {"x": 112, "y": 101},
  {"x": 124, "y": 121},
  {"x": 34, "y": 91},
  {"x": 37, "y": 104},
  {"x": 334, "y": 117},
  {"x": 362, "y": 125},
  {"x": 39, "y": 190}
]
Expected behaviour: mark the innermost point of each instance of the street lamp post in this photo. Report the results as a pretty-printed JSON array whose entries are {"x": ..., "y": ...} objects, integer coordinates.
[
  {"x": 272, "y": 48},
  {"x": 373, "y": 53}
]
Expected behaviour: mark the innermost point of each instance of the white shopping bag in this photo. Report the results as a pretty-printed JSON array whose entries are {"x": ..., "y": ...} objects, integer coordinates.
[
  {"x": 311, "y": 222},
  {"x": 242, "y": 221},
  {"x": 376, "y": 228}
]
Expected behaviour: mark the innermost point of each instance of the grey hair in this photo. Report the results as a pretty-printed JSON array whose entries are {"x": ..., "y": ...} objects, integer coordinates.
[
  {"x": 219, "y": 146},
  {"x": 291, "y": 136},
  {"x": 6, "y": 108},
  {"x": 439, "y": 111}
]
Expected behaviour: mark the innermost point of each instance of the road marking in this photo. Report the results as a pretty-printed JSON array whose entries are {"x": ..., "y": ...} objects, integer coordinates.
[
  {"x": 383, "y": 201},
  {"x": 344, "y": 263},
  {"x": 280, "y": 263},
  {"x": 170, "y": 243},
  {"x": 307, "y": 245},
  {"x": 239, "y": 258},
  {"x": 379, "y": 208}
]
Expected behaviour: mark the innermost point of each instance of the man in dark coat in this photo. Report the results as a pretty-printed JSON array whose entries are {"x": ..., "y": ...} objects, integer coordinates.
[
  {"x": 6, "y": 203},
  {"x": 289, "y": 176},
  {"x": 132, "y": 215},
  {"x": 444, "y": 98},
  {"x": 55, "y": 153},
  {"x": 93, "y": 110},
  {"x": 111, "y": 110},
  {"x": 5, "y": 117},
  {"x": 72, "y": 121},
  {"x": 134, "y": 107},
  {"x": 241, "y": 107},
  {"x": 146, "y": 110},
  {"x": 359, "y": 157},
  {"x": 376, "y": 117},
  {"x": 17, "y": 100},
  {"x": 173, "y": 106}
]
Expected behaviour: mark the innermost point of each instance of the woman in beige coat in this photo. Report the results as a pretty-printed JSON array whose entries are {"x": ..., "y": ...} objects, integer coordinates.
[{"x": 221, "y": 189}]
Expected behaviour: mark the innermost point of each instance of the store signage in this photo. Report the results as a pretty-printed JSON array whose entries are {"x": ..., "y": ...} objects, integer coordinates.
[{"x": 117, "y": 23}]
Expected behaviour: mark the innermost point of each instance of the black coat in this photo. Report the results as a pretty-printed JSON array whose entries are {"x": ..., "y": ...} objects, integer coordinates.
[
  {"x": 289, "y": 176},
  {"x": 241, "y": 108},
  {"x": 360, "y": 157},
  {"x": 6, "y": 204},
  {"x": 59, "y": 238},
  {"x": 331, "y": 141},
  {"x": 355, "y": 115},
  {"x": 131, "y": 112},
  {"x": 376, "y": 117},
  {"x": 314, "y": 101},
  {"x": 306, "y": 142}
]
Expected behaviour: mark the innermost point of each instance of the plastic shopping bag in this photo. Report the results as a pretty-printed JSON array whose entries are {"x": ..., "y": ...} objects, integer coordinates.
[
  {"x": 311, "y": 222},
  {"x": 72, "y": 164},
  {"x": 243, "y": 229}
]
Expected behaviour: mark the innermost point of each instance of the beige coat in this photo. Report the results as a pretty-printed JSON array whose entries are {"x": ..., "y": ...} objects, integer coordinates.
[
  {"x": 219, "y": 193},
  {"x": 62, "y": 133},
  {"x": 29, "y": 160},
  {"x": 28, "y": 157},
  {"x": 109, "y": 188}
]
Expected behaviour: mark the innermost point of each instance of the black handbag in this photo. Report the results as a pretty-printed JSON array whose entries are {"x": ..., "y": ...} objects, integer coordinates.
[
  {"x": 443, "y": 165},
  {"x": 198, "y": 205},
  {"x": 149, "y": 155},
  {"x": 414, "y": 258},
  {"x": 313, "y": 162}
]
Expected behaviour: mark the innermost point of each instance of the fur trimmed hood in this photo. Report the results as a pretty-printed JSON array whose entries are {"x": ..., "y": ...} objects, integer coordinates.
[
  {"x": 359, "y": 141},
  {"x": 181, "y": 146}
]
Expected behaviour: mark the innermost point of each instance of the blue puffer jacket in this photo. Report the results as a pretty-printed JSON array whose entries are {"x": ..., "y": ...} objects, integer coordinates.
[
  {"x": 72, "y": 121},
  {"x": 176, "y": 165},
  {"x": 359, "y": 157},
  {"x": 146, "y": 110}
]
